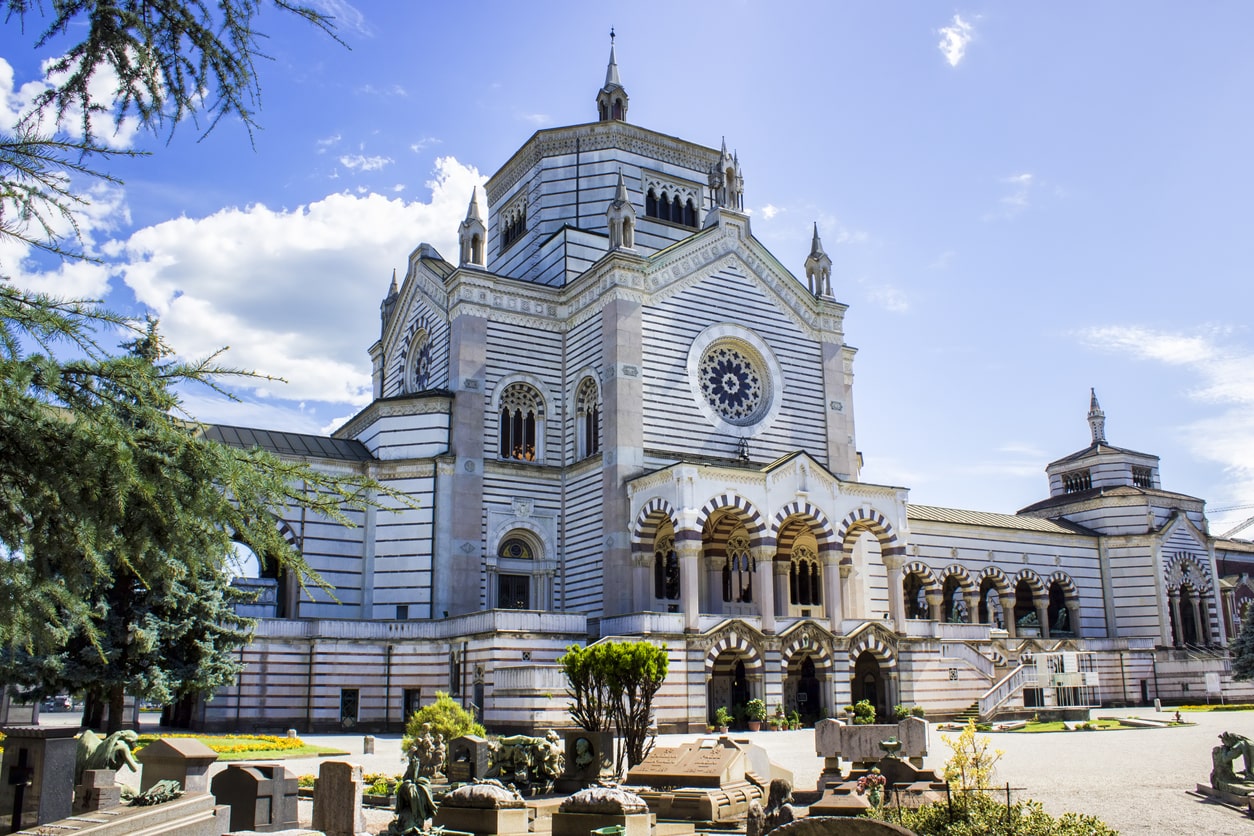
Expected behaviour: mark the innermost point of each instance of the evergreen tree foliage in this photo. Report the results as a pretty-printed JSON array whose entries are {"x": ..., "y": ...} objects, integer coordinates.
[
  {"x": 1243, "y": 648},
  {"x": 612, "y": 685},
  {"x": 115, "y": 513},
  {"x": 167, "y": 61}
]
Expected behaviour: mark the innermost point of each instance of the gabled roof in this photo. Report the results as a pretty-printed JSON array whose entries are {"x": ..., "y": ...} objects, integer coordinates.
[
  {"x": 930, "y": 513},
  {"x": 289, "y": 444}
]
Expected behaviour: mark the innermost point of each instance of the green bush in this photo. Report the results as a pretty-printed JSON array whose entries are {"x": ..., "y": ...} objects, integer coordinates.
[
  {"x": 863, "y": 713},
  {"x": 901, "y": 711},
  {"x": 977, "y": 814},
  {"x": 722, "y": 717},
  {"x": 445, "y": 716},
  {"x": 755, "y": 711}
]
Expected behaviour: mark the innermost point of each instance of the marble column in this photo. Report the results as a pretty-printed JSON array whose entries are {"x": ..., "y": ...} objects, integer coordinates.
[
  {"x": 1008, "y": 604},
  {"x": 763, "y": 557},
  {"x": 1177, "y": 627},
  {"x": 896, "y": 602},
  {"x": 689, "y": 554},
  {"x": 1042, "y": 615},
  {"x": 832, "y": 586},
  {"x": 935, "y": 604}
]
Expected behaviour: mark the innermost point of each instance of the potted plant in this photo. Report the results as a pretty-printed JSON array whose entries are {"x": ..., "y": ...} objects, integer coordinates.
[
  {"x": 755, "y": 713},
  {"x": 722, "y": 719},
  {"x": 794, "y": 721}
]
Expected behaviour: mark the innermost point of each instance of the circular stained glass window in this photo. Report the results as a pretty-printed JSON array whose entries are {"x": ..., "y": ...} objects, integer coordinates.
[
  {"x": 422, "y": 365},
  {"x": 731, "y": 379}
]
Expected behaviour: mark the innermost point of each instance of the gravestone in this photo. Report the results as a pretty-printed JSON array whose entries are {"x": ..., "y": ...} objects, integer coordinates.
[
  {"x": 906, "y": 784},
  {"x": 709, "y": 780},
  {"x": 262, "y": 796},
  {"x": 589, "y": 760},
  {"x": 483, "y": 808},
  {"x": 36, "y": 776},
  {"x": 99, "y": 791},
  {"x": 468, "y": 759},
  {"x": 176, "y": 759},
  {"x": 594, "y": 808},
  {"x": 861, "y": 744},
  {"x": 337, "y": 799}
]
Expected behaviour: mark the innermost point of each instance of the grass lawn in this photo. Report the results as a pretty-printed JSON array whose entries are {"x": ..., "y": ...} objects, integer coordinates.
[
  {"x": 250, "y": 747},
  {"x": 1095, "y": 725}
]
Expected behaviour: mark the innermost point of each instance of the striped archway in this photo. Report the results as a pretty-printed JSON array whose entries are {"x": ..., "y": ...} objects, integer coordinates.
[
  {"x": 808, "y": 515},
  {"x": 869, "y": 519},
  {"x": 740, "y": 508}
]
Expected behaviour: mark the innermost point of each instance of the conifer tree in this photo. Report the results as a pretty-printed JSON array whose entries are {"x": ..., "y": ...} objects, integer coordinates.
[{"x": 1243, "y": 647}]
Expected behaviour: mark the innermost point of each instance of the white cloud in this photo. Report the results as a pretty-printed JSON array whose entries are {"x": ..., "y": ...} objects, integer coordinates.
[
  {"x": 360, "y": 162},
  {"x": 886, "y": 296},
  {"x": 1221, "y": 367},
  {"x": 423, "y": 144},
  {"x": 1021, "y": 187},
  {"x": 769, "y": 211},
  {"x": 327, "y": 143},
  {"x": 295, "y": 293},
  {"x": 537, "y": 119},
  {"x": 954, "y": 40}
]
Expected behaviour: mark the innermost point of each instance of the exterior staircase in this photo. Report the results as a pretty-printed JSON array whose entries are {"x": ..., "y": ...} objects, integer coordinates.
[{"x": 971, "y": 712}]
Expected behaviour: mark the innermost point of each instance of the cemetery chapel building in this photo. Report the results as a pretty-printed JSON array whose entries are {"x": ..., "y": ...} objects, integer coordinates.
[{"x": 621, "y": 416}]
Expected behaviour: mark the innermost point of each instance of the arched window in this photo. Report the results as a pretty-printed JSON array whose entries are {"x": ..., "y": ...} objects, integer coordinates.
[
  {"x": 650, "y": 204},
  {"x": 588, "y": 419},
  {"x": 738, "y": 569},
  {"x": 665, "y": 570},
  {"x": 914, "y": 595},
  {"x": 618, "y": 108},
  {"x": 521, "y": 423},
  {"x": 677, "y": 210},
  {"x": 690, "y": 214},
  {"x": 664, "y": 207},
  {"x": 420, "y": 362},
  {"x": 516, "y": 548},
  {"x": 805, "y": 579},
  {"x": 515, "y": 224}
]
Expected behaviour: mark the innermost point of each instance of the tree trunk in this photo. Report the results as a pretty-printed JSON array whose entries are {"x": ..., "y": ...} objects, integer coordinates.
[
  {"x": 117, "y": 707},
  {"x": 93, "y": 710}
]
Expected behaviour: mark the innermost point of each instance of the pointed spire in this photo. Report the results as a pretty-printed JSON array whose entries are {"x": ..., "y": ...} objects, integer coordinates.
[
  {"x": 620, "y": 192},
  {"x": 472, "y": 233},
  {"x": 612, "y": 98},
  {"x": 818, "y": 267},
  {"x": 1097, "y": 419},
  {"x": 611, "y": 72},
  {"x": 393, "y": 290}
]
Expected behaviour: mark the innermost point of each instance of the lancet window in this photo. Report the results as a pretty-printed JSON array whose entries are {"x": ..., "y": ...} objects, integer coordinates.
[
  {"x": 522, "y": 423},
  {"x": 666, "y": 570},
  {"x": 588, "y": 419},
  {"x": 805, "y": 577},
  {"x": 738, "y": 569}
]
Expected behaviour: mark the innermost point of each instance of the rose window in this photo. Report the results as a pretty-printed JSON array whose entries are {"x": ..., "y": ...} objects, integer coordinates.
[
  {"x": 422, "y": 366},
  {"x": 732, "y": 382}
]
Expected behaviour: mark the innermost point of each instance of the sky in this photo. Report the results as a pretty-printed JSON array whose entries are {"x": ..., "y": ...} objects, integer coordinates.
[{"x": 1021, "y": 201}]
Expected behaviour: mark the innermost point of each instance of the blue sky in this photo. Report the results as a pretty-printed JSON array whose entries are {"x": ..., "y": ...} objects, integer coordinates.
[{"x": 1020, "y": 200}]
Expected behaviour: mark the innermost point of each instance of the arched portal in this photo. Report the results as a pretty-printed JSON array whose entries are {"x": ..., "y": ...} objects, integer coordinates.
[
  {"x": 728, "y": 684},
  {"x": 1188, "y": 622},
  {"x": 869, "y": 684},
  {"x": 914, "y": 593},
  {"x": 802, "y": 688},
  {"x": 1059, "y": 615},
  {"x": 1026, "y": 620},
  {"x": 955, "y": 607}
]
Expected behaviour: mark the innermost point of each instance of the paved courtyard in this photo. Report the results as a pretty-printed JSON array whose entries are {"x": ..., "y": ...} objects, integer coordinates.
[{"x": 1136, "y": 780}]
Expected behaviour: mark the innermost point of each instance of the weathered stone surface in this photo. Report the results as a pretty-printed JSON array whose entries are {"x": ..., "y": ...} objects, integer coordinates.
[
  {"x": 262, "y": 796},
  {"x": 484, "y": 795},
  {"x": 337, "y": 799},
  {"x": 176, "y": 759},
  {"x": 604, "y": 800},
  {"x": 468, "y": 758},
  {"x": 708, "y": 763},
  {"x": 37, "y": 774},
  {"x": 861, "y": 744}
]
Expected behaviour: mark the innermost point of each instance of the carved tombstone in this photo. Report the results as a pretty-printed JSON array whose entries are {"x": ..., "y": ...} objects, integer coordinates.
[
  {"x": 483, "y": 808},
  {"x": 262, "y": 796},
  {"x": 589, "y": 760},
  {"x": 337, "y": 799},
  {"x": 597, "y": 807},
  {"x": 467, "y": 759}
]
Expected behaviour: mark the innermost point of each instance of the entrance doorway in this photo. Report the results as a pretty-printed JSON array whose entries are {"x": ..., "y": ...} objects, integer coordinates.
[
  {"x": 804, "y": 692},
  {"x": 868, "y": 684},
  {"x": 729, "y": 685}
]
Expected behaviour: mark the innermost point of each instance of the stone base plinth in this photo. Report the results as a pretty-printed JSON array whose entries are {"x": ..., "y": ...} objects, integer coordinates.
[
  {"x": 581, "y": 824},
  {"x": 727, "y": 803},
  {"x": 482, "y": 821}
]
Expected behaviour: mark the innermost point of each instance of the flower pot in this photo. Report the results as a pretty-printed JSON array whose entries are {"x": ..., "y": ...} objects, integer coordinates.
[{"x": 755, "y": 725}]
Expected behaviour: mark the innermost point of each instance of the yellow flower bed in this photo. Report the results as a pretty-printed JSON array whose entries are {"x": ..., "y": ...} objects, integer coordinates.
[{"x": 234, "y": 744}]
